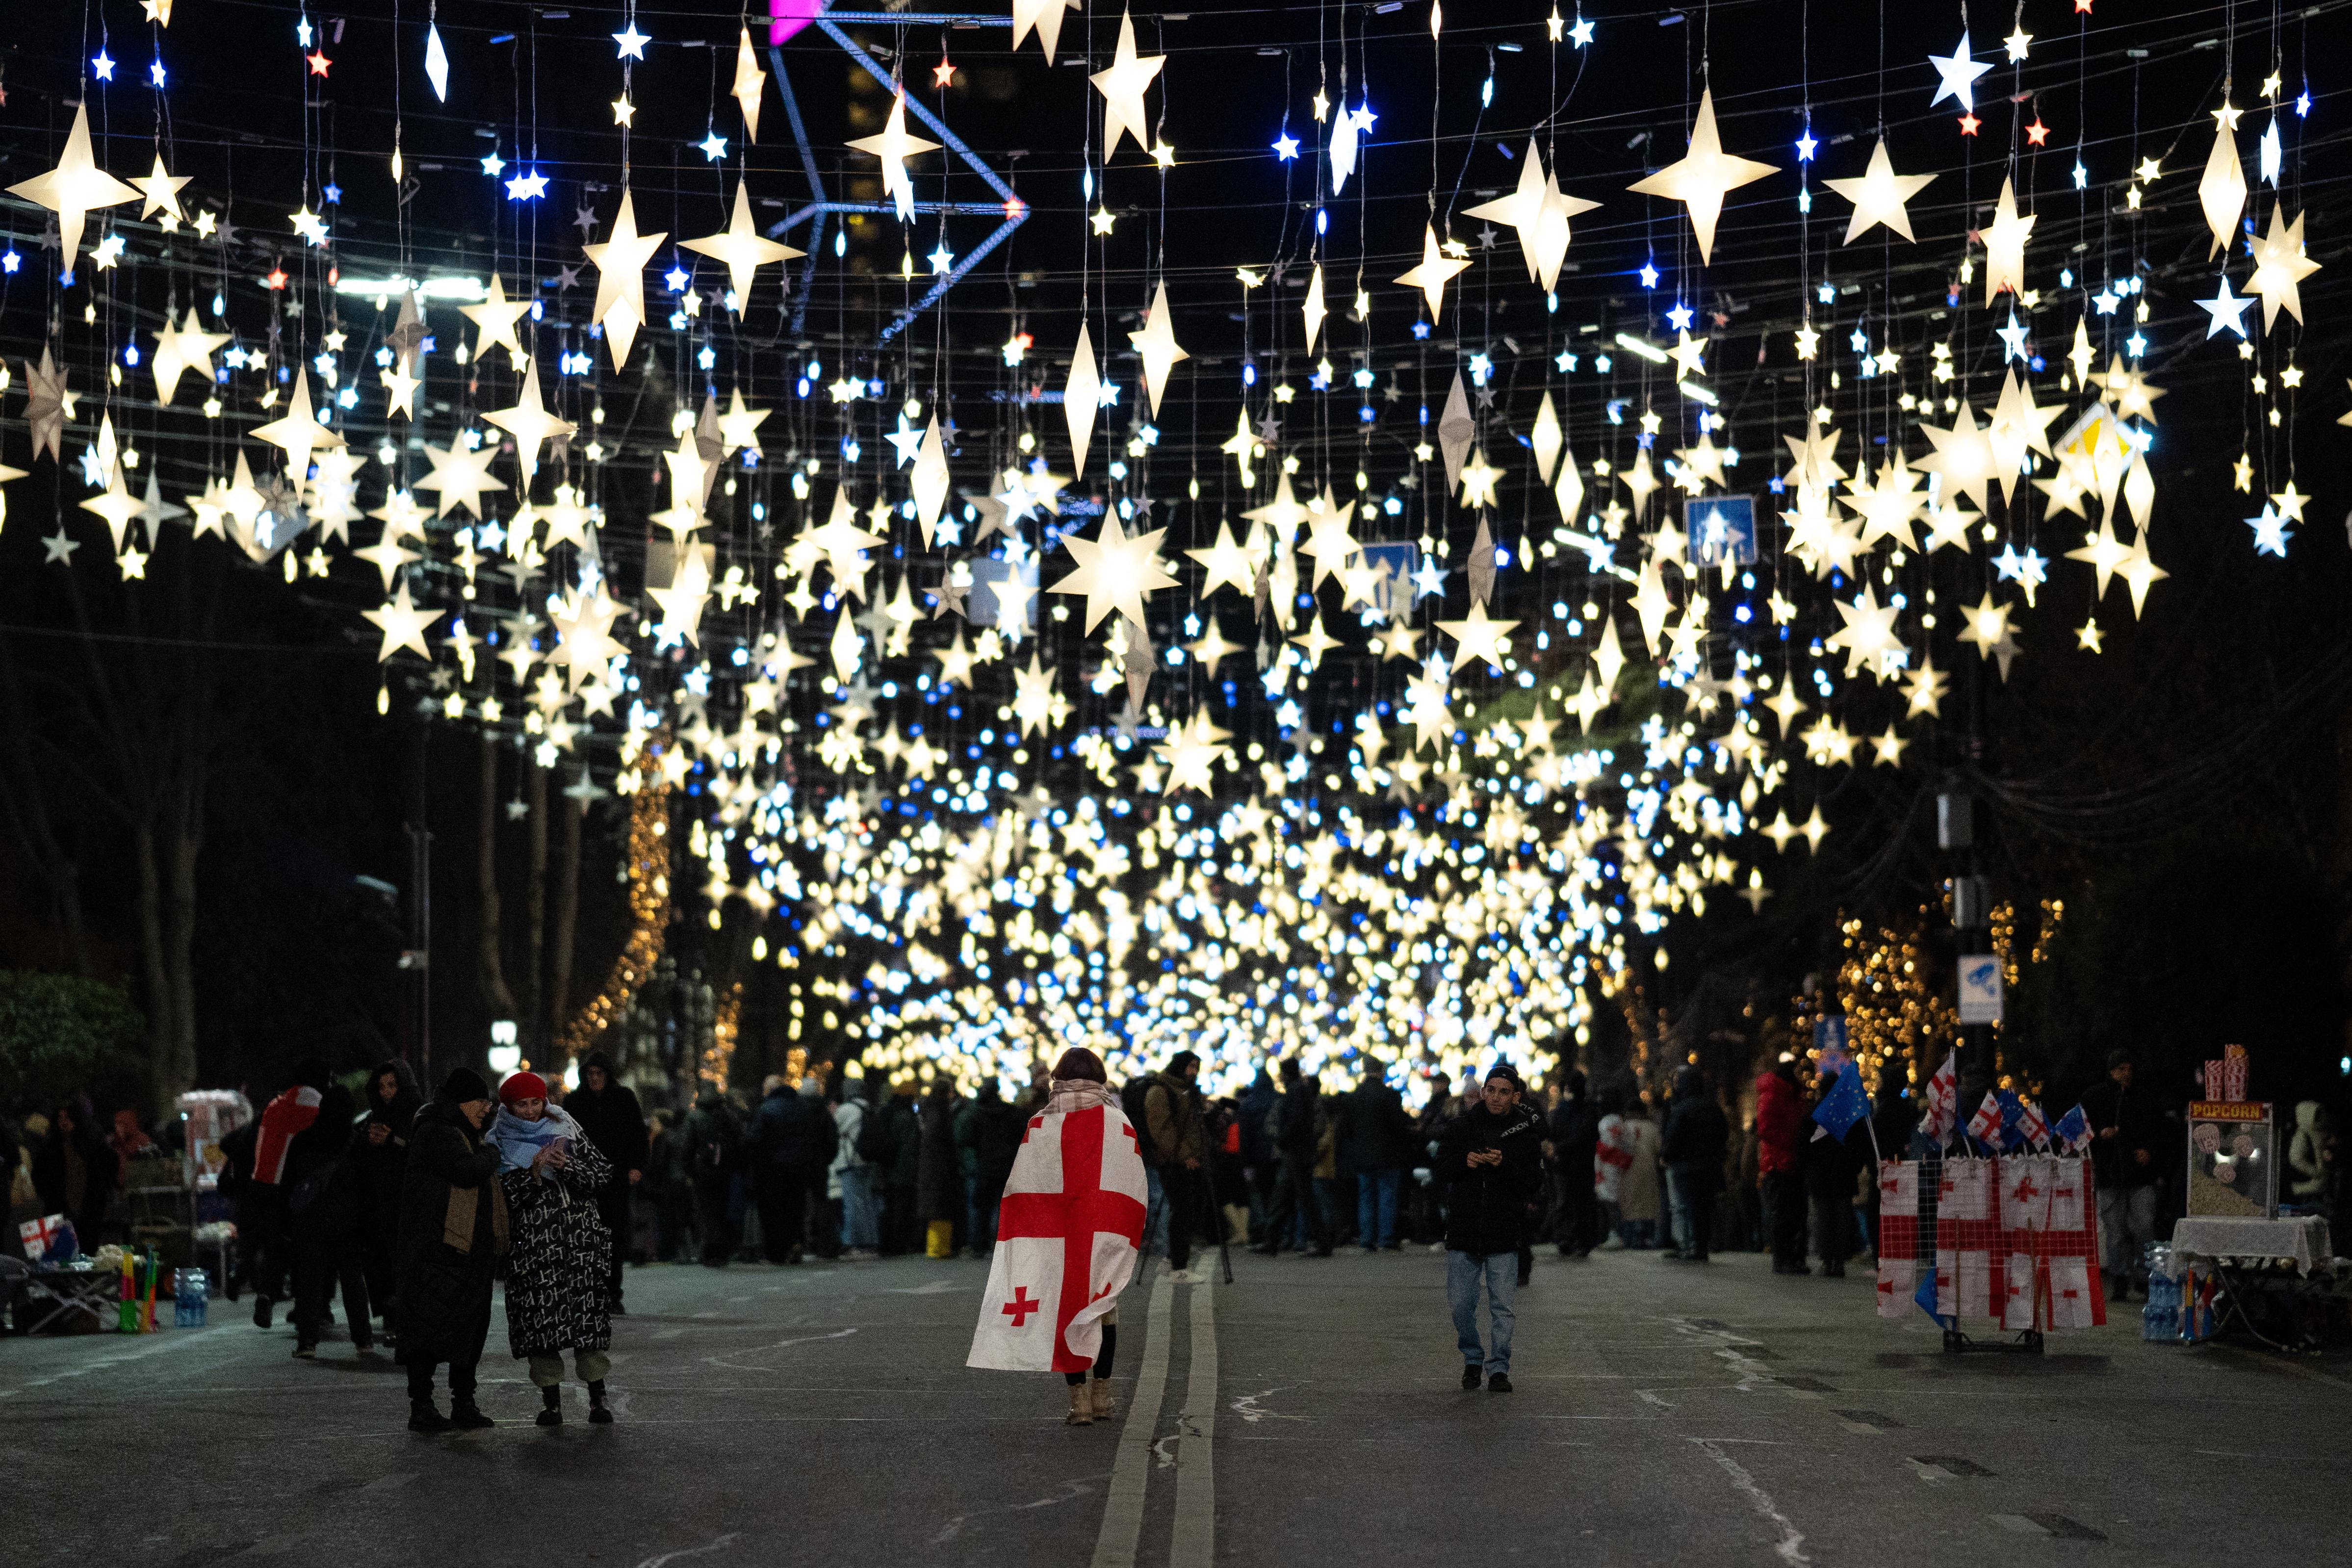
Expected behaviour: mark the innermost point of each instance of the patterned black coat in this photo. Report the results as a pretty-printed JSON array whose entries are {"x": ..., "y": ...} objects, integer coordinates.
[{"x": 563, "y": 1253}]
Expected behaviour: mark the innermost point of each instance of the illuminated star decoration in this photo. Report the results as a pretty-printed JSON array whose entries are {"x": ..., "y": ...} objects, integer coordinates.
[
  {"x": 1045, "y": 17},
  {"x": 180, "y": 349},
  {"x": 2005, "y": 245},
  {"x": 749, "y": 84},
  {"x": 1156, "y": 345},
  {"x": 494, "y": 321},
  {"x": 299, "y": 432},
  {"x": 1703, "y": 176},
  {"x": 894, "y": 146},
  {"x": 74, "y": 187},
  {"x": 1434, "y": 271},
  {"x": 1122, "y": 91},
  {"x": 529, "y": 423},
  {"x": 1878, "y": 197},
  {"x": 1956, "y": 75},
  {"x": 402, "y": 624},
  {"x": 1540, "y": 213},
  {"x": 1114, "y": 571},
  {"x": 620, "y": 263},
  {"x": 742, "y": 246}
]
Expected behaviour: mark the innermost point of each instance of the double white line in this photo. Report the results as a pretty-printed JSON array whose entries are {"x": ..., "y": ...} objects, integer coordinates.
[{"x": 1192, "y": 1541}]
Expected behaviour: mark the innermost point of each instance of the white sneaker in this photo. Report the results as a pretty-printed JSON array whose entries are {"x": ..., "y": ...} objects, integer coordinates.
[{"x": 1182, "y": 1277}]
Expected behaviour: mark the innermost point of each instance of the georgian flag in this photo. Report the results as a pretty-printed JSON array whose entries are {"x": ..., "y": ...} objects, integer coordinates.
[
  {"x": 1943, "y": 1097},
  {"x": 1985, "y": 1125},
  {"x": 281, "y": 1120},
  {"x": 2031, "y": 1125},
  {"x": 1067, "y": 1238}
]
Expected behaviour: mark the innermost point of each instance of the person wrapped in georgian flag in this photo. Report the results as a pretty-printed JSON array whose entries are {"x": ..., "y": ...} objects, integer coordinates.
[{"x": 1069, "y": 1235}]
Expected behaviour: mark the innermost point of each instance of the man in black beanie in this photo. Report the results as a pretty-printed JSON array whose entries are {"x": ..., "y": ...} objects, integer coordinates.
[{"x": 453, "y": 1227}]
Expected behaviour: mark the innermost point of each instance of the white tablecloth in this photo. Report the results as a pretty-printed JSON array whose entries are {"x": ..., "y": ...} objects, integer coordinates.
[{"x": 2302, "y": 1238}]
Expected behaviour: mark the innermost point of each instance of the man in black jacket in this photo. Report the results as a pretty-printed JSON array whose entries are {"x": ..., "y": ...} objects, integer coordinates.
[
  {"x": 2127, "y": 1130},
  {"x": 1491, "y": 1160},
  {"x": 791, "y": 1142},
  {"x": 1376, "y": 1138},
  {"x": 1693, "y": 1147},
  {"x": 608, "y": 1112},
  {"x": 1294, "y": 1140},
  {"x": 1575, "y": 1137}
]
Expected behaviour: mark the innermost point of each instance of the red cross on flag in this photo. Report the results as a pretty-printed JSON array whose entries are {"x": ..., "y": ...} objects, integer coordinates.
[{"x": 1067, "y": 1238}]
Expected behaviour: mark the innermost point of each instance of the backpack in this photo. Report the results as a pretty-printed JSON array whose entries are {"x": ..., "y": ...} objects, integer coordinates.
[
  {"x": 874, "y": 1140},
  {"x": 1130, "y": 1101}
]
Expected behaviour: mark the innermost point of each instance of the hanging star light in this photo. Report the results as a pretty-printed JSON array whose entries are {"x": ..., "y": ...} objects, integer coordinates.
[
  {"x": 1227, "y": 564},
  {"x": 750, "y": 82},
  {"x": 160, "y": 193},
  {"x": 2222, "y": 189},
  {"x": 299, "y": 432},
  {"x": 1478, "y": 636},
  {"x": 682, "y": 602},
  {"x": 1435, "y": 271},
  {"x": 1703, "y": 176},
  {"x": 742, "y": 248},
  {"x": 2280, "y": 268},
  {"x": 620, "y": 262},
  {"x": 1879, "y": 195},
  {"x": 460, "y": 477},
  {"x": 74, "y": 188},
  {"x": 403, "y": 625},
  {"x": 530, "y": 424},
  {"x": 494, "y": 321},
  {"x": 1114, "y": 571},
  {"x": 1081, "y": 398},
  {"x": 2005, "y": 245},
  {"x": 179, "y": 351},
  {"x": 1311, "y": 309},
  {"x": 929, "y": 482},
  {"x": 1122, "y": 88},
  {"x": 1156, "y": 345},
  {"x": 1032, "y": 697},
  {"x": 1540, "y": 213},
  {"x": 1956, "y": 76},
  {"x": 894, "y": 146},
  {"x": 1045, "y": 17}
]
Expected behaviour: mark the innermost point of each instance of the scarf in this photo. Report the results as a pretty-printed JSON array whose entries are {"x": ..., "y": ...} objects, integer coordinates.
[
  {"x": 519, "y": 1142},
  {"x": 1078, "y": 1094}
]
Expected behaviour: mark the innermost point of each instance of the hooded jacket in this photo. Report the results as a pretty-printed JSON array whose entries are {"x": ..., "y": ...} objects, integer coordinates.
[
  {"x": 611, "y": 1119},
  {"x": 1697, "y": 1133},
  {"x": 1485, "y": 1206},
  {"x": 452, "y": 1227}
]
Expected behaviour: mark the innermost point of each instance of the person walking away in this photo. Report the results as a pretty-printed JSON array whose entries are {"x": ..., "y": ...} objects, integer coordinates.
[
  {"x": 381, "y": 1154},
  {"x": 1830, "y": 1166},
  {"x": 1696, "y": 1137},
  {"x": 1640, "y": 1198},
  {"x": 552, "y": 1173},
  {"x": 1068, "y": 1240},
  {"x": 611, "y": 1118},
  {"x": 862, "y": 1140},
  {"x": 1176, "y": 1133},
  {"x": 2127, "y": 1130},
  {"x": 323, "y": 1202},
  {"x": 714, "y": 1141},
  {"x": 670, "y": 1186},
  {"x": 1429, "y": 1196},
  {"x": 1779, "y": 1124},
  {"x": 75, "y": 1171},
  {"x": 1253, "y": 1121},
  {"x": 938, "y": 1185},
  {"x": 792, "y": 1140},
  {"x": 1613, "y": 1154},
  {"x": 1295, "y": 1202},
  {"x": 1575, "y": 1141},
  {"x": 1490, "y": 1159},
  {"x": 1376, "y": 1136},
  {"x": 453, "y": 1230},
  {"x": 989, "y": 1131}
]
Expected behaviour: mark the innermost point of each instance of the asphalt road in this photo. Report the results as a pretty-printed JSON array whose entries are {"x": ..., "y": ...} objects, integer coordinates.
[{"x": 1308, "y": 1414}]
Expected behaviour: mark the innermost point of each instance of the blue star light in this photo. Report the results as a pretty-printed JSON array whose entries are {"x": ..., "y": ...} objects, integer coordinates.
[
  {"x": 712, "y": 146},
  {"x": 493, "y": 163},
  {"x": 2270, "y": 533},
  {"x": 2082, "y": 176},
  {"x": 332, "y": 192},
  {"x": 676, "y": 278},
  {"x": 1679, "y": 316},
  {"x": 1286, "y": 147},
  {"x": 11, "y": 261},
  {"x": 1581, "y": 34},
  {"x": 155, "y": 71},
  {"x": 1649, "y": 276},
  {"x": 527, "y": 187},
  {"x": 1805, "y": 145},
  {"x": 103, "y": 65},
  {"x": 1420, "y": 329}
]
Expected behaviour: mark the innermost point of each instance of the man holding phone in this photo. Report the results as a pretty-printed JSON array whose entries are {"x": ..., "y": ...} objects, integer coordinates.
[{"x": 1490, "y": 1159}]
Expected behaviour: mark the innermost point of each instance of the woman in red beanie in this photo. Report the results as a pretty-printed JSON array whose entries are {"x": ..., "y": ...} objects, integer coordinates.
[{"x": 555, "y": 1280}]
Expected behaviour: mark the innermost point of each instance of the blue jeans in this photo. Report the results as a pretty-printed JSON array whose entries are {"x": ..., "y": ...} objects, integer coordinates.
[
  {"x": 1376, "y": 1198},
  {"x": 1501, "y": 1272},
  {"x": 1155, "y": 1213},
  {"x": 861, "y": 1216}
]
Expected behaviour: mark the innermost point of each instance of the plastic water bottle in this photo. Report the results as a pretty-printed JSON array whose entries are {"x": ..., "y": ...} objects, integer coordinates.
[{"x": 190, "y": 1290}]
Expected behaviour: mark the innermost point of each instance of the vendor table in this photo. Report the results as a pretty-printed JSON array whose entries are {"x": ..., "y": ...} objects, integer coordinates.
[{"x": 2249, "y": 1256}]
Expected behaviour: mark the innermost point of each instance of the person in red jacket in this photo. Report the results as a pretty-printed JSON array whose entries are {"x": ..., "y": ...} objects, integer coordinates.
[{"x": 1779, "y": 1158}]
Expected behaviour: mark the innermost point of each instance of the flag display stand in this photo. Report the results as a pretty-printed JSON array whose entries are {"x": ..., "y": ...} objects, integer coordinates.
[{"x": 2011, "y": 1238}]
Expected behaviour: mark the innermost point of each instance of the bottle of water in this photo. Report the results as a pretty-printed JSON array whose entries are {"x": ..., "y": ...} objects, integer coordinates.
[{"x": 190, "y": 1288}]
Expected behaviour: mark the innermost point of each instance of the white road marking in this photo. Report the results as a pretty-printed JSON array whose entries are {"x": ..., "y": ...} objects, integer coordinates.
[
  {"x": 1123, "y": 1525},
  {"x": 936, "y": 1288},
  {"x": 719, "y": 1544},
  {"x": 780, "y": 1345},
  {"x": 1791, "y": 1547},
  {"x": 1192, "y": 1539},
  {"x": 955, "y": 1527},
  {"x": 156, "y": 1346}
]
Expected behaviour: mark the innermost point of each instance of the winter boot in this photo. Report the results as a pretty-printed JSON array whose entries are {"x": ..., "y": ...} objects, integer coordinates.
[
  {"x": 551, "y": 1406},
  {"x": 467, "y": 1415},
  {"x": 424, "y": 1417},
  {"x": 261, "y": 1309},
  {"x": 1082, "y": 1406},
  {"x": 1102, "y": 1401},
  {"x": 598, "y": 1413}
]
